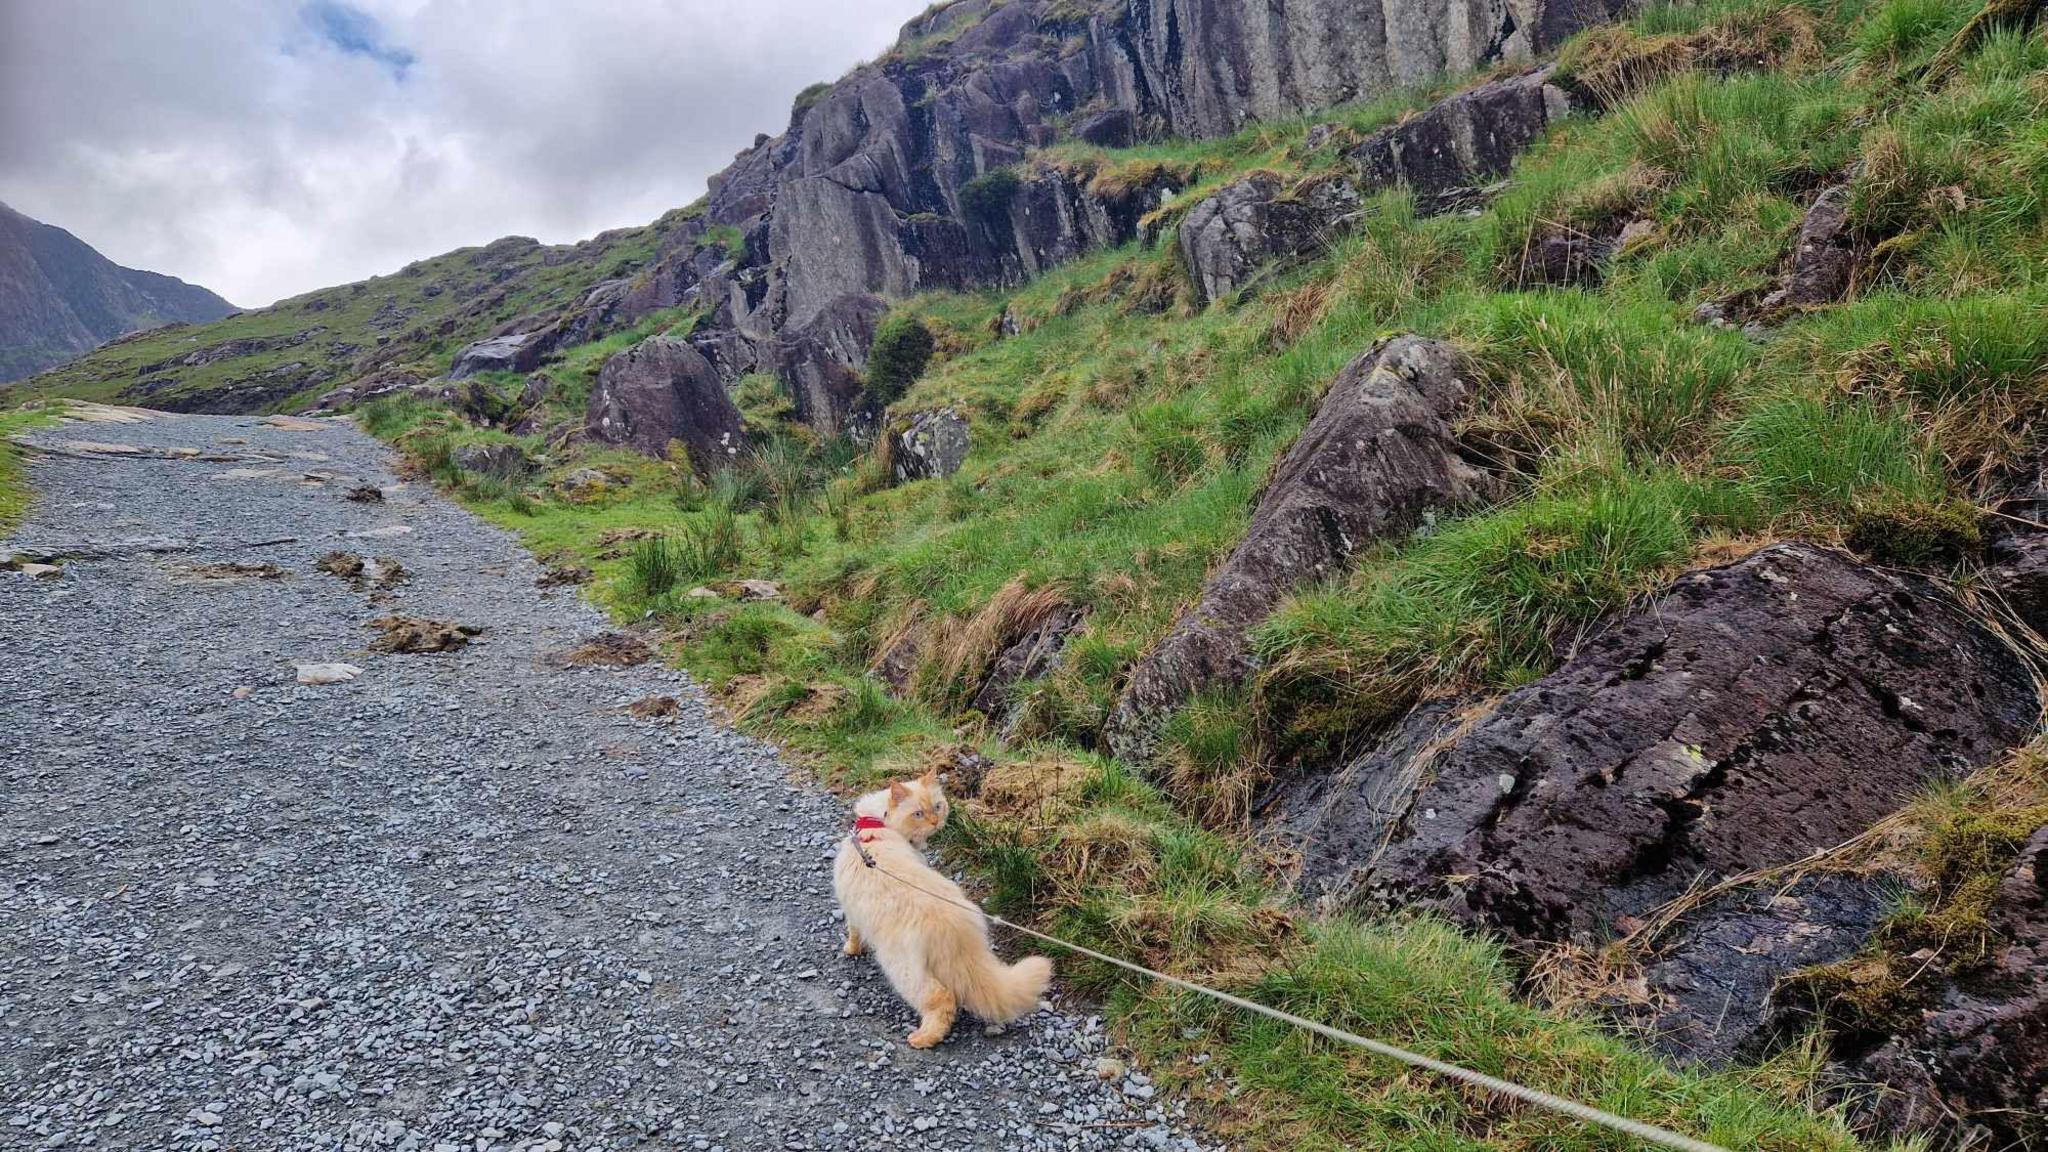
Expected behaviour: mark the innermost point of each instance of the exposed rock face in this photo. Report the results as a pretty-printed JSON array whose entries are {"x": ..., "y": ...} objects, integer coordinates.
[
  {"x": 1982, "y": 1053},
  {"x": 1378, "y": 457},
  {"x": 59, "y": 298},
  {"x": 659, "y": 391},
  {"x": 1211, "y": 66},
  {"x": 1447, "y": 153},
  {"x": 932, "y": 446},
  {"x": 1824, "y": 259},
  {"x": 2019, "y": 551},
  {"x": 820, "y": 362},
  {"x": 1230, "y": 237},
  {"x": 1756, "y": 713},
  {"x": 497, "y": 354},
  {"x": 1033, "y": 656}
]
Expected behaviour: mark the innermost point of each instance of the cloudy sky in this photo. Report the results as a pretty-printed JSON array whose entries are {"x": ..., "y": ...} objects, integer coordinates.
[{"x": 265, "y": 148}]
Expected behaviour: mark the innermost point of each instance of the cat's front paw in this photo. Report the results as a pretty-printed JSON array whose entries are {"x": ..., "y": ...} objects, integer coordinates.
[
  {"x": 927, "y": 1038},
  {"x": 852, "y": 947}
]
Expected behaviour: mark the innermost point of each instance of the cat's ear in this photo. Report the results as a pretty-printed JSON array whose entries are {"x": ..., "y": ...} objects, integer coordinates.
[
  {"x": 897, "y": 793},
  {"x": 930, "y": 779}
]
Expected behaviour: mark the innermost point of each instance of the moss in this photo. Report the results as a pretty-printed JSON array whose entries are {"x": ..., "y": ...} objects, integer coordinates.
[
  {"x": 1916, "y": 534},
  {"x": 902, "y": 347},
  {"x": 985, "y": 200},
  {"x": 808, "y": 99},
  {"x": 1859, "y": 1000}
]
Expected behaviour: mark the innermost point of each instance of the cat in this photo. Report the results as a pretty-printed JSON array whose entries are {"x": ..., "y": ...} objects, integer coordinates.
[{"x": 932, "y": 945}]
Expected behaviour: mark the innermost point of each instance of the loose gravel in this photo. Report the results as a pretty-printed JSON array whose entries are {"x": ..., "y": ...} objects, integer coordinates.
[{"x": 462, "y": 902}]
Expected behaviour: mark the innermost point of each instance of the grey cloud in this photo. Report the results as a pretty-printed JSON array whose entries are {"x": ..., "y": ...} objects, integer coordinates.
[{"x": 252, "y": 147}]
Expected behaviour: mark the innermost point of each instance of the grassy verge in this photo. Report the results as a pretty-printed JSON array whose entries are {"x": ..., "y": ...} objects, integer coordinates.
[
  {"x": 1121, "y": 439},
  {"x": 14, "y": 490}
]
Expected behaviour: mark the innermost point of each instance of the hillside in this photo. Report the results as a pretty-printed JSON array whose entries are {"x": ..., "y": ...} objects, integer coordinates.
[
  {"x": 59, "y": 298},
  {"x": 1522, "y": 538}
]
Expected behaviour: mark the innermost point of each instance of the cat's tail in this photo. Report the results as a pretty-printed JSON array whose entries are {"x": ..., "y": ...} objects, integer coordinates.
[{"x": 995, "y": 991}]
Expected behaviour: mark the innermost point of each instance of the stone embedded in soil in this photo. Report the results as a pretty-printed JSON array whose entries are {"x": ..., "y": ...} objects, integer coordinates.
[
  {"x": 1378, "y": 458},
  {"x": 1752, "y": 715}
]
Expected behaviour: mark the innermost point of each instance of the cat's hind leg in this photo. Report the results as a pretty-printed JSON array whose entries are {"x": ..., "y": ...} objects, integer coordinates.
[
  {"x": 938, "y": 1008},
  {"x": 854, "y": 946}
]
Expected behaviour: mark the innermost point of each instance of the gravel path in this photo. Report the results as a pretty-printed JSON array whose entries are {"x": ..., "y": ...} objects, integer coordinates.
[{"x": 458, "y": 903}]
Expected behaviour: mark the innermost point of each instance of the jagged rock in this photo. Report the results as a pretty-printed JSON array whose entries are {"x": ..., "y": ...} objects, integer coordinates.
[
  {"x": 1824, "y": 259},
  {"x": 1377, "y": 458},
  {"x": 1980, "y": 1057},
  {"x": 497, "y": 354},
  {"x": 503, "y": 461},
  {"x": 1115, "y": 128},
  {"x": 1755, "y": 713},
  {"x": 1033, "y": 656},
  {"x": 820, "y": 363},
  {"x": 1231, "y": 236},
  {"x": 1448, "y": 153},
  {"x": 932, "y": 446},
  {"x": 659, "y": 391}
]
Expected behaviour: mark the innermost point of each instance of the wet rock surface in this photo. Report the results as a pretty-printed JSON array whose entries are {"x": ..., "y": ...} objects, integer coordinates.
[
  {"x": 459, "y": 900},
  {"x": 1824, "y": 258},
  {"x": 1377, "y": 458},
  {"x": 1448, "y": 153},
  {"x": 498, "y": 354},
  {"x": 1753, "y": 714},
  {"x": 1260, "y": 221}
]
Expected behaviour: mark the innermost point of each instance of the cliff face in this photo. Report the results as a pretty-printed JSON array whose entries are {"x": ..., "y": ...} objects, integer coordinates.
[
  {"x": 904, "y": 175},
  {"x": 59, "y": 298}
]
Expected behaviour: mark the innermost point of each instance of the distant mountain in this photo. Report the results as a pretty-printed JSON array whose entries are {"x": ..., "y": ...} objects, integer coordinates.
[{"x": 60, "y": 299}]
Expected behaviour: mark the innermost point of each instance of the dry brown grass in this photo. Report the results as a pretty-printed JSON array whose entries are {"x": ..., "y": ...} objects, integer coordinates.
[
  {"x": 958, "y": 654},
  {"x": 1615, "y": 62}
]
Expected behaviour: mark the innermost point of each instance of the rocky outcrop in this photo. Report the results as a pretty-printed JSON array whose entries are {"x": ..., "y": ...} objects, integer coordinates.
[
  {"x": 509, "y": 353},
  {"x": 1979, "y": 1058},
  {"x": 1450, "y": 152},
  {"x": 661, "y": 391},
  {"x": 1446, "y": 154},
  {"x": 820, "y": 362},
  {"x": 1258, "y": 222},
  {"x": 1377, "y": 458},
  {"x": 1754, "y": 714},
  {"x": 930, "y": 446},
  {"x": 1027, "y": 658},
  {"x": 2019, "y": 550},
  {"x": 1208, "y": 67},
  {"x": 1823, "y": 260}
]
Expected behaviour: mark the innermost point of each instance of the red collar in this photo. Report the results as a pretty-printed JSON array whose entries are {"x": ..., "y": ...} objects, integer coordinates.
[{"x": 868, "y": 824}]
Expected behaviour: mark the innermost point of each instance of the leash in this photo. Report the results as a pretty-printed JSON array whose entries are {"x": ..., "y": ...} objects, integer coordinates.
[{"x": 1541, "y": 1099}]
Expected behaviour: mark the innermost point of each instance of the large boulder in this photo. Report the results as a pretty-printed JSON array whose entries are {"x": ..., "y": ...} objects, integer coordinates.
[
  {"x": 662, "y": 390},
  {"x": 498, "y": 354},
  {"x": 1229, "y": 238},
  {"x": 1448, "y": 153},
  {"x": 1752, "y": 715},
  {"x": 1377, "y": 458},
  {"x": 930, "y": 445}
]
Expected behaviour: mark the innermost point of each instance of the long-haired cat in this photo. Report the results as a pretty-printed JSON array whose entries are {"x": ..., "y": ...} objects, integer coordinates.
[{"x": 933, "y": 944}]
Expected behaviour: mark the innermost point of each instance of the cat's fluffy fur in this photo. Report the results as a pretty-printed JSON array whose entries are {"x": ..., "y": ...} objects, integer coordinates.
[{"x": 934, "y": 950}]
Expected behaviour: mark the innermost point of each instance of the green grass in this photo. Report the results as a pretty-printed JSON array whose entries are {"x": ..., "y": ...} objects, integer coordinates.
[
  {"x": 14, "y": 488},
  {"x": 1122, "y": 437}
]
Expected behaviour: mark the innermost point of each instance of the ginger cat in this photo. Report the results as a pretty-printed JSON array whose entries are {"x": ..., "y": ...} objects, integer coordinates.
[{"x": 934, "y": 951}]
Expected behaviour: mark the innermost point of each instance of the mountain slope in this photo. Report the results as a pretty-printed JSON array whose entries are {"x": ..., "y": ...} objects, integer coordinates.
[
  {"x": 60, "y": 298},
  {"x": 390, "y": 331}
]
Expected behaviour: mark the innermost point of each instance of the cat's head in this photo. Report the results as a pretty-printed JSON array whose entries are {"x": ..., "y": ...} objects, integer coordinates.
[{"x": 916, "y": 809}]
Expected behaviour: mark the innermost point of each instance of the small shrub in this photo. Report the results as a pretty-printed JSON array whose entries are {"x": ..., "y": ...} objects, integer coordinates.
[
  {"x": 985, "y": 200},
  {"x": 808, "y": 98},
  {"x": 902, "y": 348}
]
